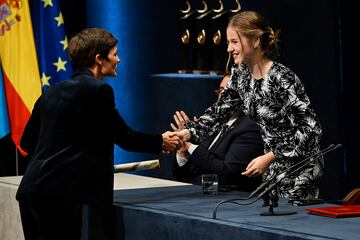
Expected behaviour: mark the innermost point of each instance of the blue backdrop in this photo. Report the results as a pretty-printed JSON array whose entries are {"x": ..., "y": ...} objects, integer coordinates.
[{"x": 133, "y": 24}]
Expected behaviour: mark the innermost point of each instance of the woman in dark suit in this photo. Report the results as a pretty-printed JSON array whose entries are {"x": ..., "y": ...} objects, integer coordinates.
[{"x": 70, "y": 139}]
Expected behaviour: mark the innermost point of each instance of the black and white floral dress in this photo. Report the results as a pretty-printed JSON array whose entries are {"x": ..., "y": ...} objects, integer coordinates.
[{"x": 289, "y": 127}]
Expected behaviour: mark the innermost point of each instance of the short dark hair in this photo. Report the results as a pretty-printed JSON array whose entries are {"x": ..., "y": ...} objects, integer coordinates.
[{"x": 85, "y": 45}]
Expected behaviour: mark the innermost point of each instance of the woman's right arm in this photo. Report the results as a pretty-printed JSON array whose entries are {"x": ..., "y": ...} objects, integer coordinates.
[{"x": 228, "y": 103}]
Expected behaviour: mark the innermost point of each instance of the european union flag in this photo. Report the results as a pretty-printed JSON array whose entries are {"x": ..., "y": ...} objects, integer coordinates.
[{"x": 51, "y": 42}]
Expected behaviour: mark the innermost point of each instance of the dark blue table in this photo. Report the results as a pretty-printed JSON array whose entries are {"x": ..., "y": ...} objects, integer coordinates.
[{"x": 183, "y": 212}]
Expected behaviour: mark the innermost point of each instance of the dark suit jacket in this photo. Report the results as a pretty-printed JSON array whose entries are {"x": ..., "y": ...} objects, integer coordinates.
[
  {"x": 227, "y": 158},
  {"x": 70, "y": 139}
]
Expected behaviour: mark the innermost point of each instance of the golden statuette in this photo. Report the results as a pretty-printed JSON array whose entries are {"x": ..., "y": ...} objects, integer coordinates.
[
  {"x": 188, "y": 9},
  {"x": 238, "y": 7},
  {"x": 201, "y": 37},
  {"x": 203, "y": 10},
  {"x": 220, "y": 9},
  {"x": 185, "y": 37},
  {"x": 217, "y": 37}
]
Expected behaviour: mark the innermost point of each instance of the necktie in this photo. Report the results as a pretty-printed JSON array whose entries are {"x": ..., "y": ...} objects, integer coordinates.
[
  {"x": 223, "y": 130},
  {"x": 215, "y": 142}
]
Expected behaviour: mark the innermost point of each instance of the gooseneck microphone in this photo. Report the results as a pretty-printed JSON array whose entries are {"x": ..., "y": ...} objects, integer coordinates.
[
  {"x": 296, "y": 168},
  {"x": 302, "y": 163},
  {"x": 273, "y": 182}
]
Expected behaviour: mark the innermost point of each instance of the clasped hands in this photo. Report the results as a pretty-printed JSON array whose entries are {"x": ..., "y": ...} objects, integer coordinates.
[
  {"x": 171, "y": 142},
  {"x": 178, "y": 139},
  {"x": 256, "y": 167}
]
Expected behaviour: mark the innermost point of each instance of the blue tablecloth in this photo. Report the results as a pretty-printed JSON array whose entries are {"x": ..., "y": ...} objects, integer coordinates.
[{"x": 185, "y": 213}]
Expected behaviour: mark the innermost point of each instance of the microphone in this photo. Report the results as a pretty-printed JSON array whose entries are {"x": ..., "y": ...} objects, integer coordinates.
[
  {"x": 278, "y": 178},
  {"x": 261, "y": 187},
  {"x": 271, "y": 183},
  {"x": 267, "y": 182}
]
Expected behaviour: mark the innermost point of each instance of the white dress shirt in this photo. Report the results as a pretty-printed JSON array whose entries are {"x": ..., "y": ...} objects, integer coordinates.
[{"x": 181, "y": 161}]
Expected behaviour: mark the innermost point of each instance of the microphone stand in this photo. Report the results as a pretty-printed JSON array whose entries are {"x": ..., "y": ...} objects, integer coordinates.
[
  {"x": 281, "y": 175},
  {"x": 271, "y": 199}
]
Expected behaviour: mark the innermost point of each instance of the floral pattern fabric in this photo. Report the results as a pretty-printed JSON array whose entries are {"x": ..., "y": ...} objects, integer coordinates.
[{"x": 289, "y": 127}]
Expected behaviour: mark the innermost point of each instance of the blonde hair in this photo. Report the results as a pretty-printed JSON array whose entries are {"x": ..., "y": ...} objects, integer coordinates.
[{"x": 253, "y": 25}]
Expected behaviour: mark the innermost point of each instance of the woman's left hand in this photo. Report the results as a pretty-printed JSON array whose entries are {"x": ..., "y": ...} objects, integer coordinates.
[{"x": 259, "y": 165}]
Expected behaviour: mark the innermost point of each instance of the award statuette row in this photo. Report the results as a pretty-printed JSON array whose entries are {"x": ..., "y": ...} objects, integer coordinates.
[{"x": 202, "y": 35}]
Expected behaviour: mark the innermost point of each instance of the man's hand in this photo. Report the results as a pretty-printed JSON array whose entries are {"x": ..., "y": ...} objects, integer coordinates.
[
  {"x": 181, "y": 119},
  {"x": 183, "y": 151},
  {"x": 184, "y": 135}
]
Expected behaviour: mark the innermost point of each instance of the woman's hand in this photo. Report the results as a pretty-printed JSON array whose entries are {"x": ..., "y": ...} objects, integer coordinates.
[
  {"x": 259, "y": 165},
  {"x": 171, "y": 142}
]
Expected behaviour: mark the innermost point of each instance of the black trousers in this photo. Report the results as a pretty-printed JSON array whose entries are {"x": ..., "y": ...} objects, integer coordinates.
[{"x": 46, "y": 218}]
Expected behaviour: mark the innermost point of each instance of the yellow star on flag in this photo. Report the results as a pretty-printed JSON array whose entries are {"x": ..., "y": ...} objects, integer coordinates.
[
  {"x": 45, "y": 80},
  {"x": 60, "y": 65},
  {"x": 59, "y": 19},
  {"x": 64, "y": 43},
  {"x": 47, "y": 3}
]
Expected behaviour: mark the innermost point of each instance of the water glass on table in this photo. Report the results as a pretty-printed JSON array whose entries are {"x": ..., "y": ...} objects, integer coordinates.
[{"x": 209, "y": 184}]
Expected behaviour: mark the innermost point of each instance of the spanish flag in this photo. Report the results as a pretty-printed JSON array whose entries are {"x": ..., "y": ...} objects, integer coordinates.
[
  {"x": 19, "y": 64},
  {"x": 4, "y": 119}
]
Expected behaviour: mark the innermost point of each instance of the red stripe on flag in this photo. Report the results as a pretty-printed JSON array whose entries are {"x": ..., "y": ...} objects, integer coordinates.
[{"x": 18, "y": 113}]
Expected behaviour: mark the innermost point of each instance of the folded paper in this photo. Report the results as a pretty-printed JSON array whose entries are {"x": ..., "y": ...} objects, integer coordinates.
[{"x": 134, "y": 166}]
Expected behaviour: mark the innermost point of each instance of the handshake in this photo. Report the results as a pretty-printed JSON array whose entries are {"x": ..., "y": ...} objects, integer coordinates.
[{"x": 179, "y": 137}]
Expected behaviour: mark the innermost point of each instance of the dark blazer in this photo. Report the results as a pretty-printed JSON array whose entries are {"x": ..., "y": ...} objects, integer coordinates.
[
  {"x": 70, "y": 140},
  {"x": 227, "y": 158}
]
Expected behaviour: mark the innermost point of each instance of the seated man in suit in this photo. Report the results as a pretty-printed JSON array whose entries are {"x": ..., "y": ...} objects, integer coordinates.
[{"x": 226, "y": 153}]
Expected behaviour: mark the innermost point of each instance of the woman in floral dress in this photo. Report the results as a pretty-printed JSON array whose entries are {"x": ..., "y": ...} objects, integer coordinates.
[{"x": 273, "y": 96}]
